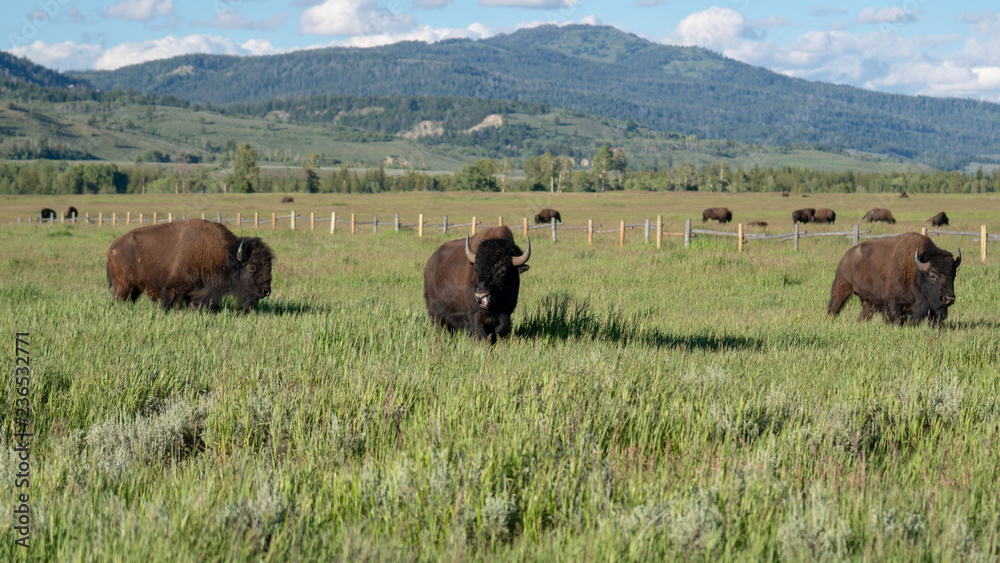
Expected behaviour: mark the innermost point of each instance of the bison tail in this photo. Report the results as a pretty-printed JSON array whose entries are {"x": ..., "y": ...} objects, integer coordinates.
[{"x": 839, "y": 295}]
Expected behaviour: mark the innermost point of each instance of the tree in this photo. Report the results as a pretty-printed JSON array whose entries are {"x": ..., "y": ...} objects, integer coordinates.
[
  {"x": 245, "y": 177},
  {"x": 602, "y": 165},
  {"x": 478, "y": 176}
]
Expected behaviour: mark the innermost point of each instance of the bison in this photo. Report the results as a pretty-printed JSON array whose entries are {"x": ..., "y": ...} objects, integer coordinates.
[
  {"x": 288, "y": 200},
  {"x": 939, "y": 220},
  {"x": 547, "y": 215},
  {"x": 906, "y": 277},
  {"x": 879, "y": 214},
  {"x": 72, "y": 213},
  {"x": 473, "y": 284},
  {"x": 720, "y": 214},
  {"x": 824, "y": 216},
  {"x": 757, "y": 224},
  {"x": 903, "y": 195},
  {"x": 48, "y": 214},
  {"x": 785, "y": 194},
  {"x": 193, "y": 262},
  {"x": 803, "y": 215}
]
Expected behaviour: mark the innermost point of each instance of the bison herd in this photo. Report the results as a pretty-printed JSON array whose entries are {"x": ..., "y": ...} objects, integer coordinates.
[{"x": 471, "y": 285}]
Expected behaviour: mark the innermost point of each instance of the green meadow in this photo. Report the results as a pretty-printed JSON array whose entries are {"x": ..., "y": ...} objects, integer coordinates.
[{"x": 651, "y": 404}]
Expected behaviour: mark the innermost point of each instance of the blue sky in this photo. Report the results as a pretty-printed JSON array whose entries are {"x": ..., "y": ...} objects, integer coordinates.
[{"x": 927, "y": 47}]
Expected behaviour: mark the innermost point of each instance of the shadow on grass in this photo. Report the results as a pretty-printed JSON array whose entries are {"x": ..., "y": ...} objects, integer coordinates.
[
  {"x": 281, "y": 307},
  {"x": 971, "y": 325},
  {"x": 560, "y": 316}
]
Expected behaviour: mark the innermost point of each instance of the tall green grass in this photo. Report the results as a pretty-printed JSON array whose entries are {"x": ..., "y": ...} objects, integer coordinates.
[{"x": 681, "y": 403}]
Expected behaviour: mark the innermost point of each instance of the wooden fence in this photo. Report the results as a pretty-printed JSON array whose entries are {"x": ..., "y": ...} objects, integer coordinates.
[{"x": 855, "y": 234}]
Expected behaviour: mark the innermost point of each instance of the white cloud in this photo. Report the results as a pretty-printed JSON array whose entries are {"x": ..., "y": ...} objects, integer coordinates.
[
  {"x": 586, "y": 20},
  {"x": 229, "y": 18},
  {"x": 353, "y": 18},
  {"x": 61, "y": 56},
  {"x": 140, "y": 10},
  {"x": 423, "y": 33},
  {"x": 714, "y": 28},
  {"x": 542, "y": 4},
  {"x": 427, "y": 4},
  {"x": 822, "y": 11},
  {"x": 894, "y": 14}
]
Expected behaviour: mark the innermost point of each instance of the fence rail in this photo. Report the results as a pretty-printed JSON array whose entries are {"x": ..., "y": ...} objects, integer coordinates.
[{"x": 855, "y": 234}]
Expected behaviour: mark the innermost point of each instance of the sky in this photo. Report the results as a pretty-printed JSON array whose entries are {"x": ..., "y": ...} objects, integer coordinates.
[{"x": 921, "y": 47}]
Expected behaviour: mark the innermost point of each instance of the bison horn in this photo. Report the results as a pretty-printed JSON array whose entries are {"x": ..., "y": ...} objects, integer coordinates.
[
  {"x": 468, "y": 251},
  {"x": 958, "y": 259},
  {"x": 519, "y": 261},
  {"x": 922, "y": 266},
  {"x": 240, "y": 255}
]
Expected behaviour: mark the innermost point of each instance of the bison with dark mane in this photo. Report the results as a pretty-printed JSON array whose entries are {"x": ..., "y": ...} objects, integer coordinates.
[
  {"x": 72, "y": 213},
  {"x": 824, "y": 216},
  {"x": 939, "y": 220},
  {"x": 879, "y": 214},
  {"x": 906, "y": 277},
  {"x": 547, "y": 215},
  {"x": 472, "y": 284},
  {"x": 288, "y": 199},
  {"x": 803, "y": 215},
  {"x": 192, "y": 262},
  {"x": 48, "y": 214},
  {"x": 720, "y": 214}
]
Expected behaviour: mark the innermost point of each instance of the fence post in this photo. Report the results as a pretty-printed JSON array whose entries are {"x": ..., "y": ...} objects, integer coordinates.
[
  {"x": 473, "y": 226},
  {"x": 154, "y": 217},
  {"x": 500, "y": 221},
  {"x": 444, "y": 228},
  {"x": 128, "y": 218},
  {"x": 352, "y": 223},
  {"x": 312, "y": 220},
  {"x": 256, "y": 220},
  {"x": 293, "y": 219},
  {"x": 856, "y": 236},
  {"x": 239, "y": 219},
  {"x": 923, "y": 231},
  {"x": 375, "y": 224},
  {"x": 553, "y": 223},
  {"x": 274, "y": 219},
  {"x": 982, "y": 242},
  {"x": 796, "y": 237},
  {"x": 739, "y": 234},
  {"x": 687, "y": 233},
  {"x": 659, "y": 230},
  {"x": 140, "y": 219},
  {"x": 647, "y": 231},
  {"x": 202, "y": 215},
  {"x": 63, "y": 217},
  {"x": 100, "y": 218},
  {"x": 590, "y": 232},
  {"x": 397, "y": 222},
  {"x": 525, "y": 224},
  {"x": 333, "y": 221},
  {"x": 621, "y": 235},
  {"x": 114, "y": 218},
  {"x": 420, "y": 225}
]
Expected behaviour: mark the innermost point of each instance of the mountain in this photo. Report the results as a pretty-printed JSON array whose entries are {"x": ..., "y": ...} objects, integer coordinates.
[
  {"x": 600, "y": 70},
  {"x": 19, "y": 72}
]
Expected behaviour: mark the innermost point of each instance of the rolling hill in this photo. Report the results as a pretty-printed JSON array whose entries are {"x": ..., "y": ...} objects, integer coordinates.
[{"x": 598, "y": 70}]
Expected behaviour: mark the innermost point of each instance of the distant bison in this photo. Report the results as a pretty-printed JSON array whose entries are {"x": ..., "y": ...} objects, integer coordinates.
[
  {"x": 48, "y": 214},
  {"x": 905, "y": 277},
  {"x": 785, "y": 194},
  {"x": 72, "y": 213},
  {"x": 903, "y": 195},
  {"x": 472, "y": 285},
  {"x": 547, "y": 215},
  {"x": 192, "y": 262},
  {"x": 757, "y": 224},
  {"x": 803, "y": 215},
  {"x": 824, "y": 216},
  {"x": 939, "y": 220},
  {"x": 288, "y": 200},
  {"x": 879, "y": 214},
  {"x": 720, "y": 214}
]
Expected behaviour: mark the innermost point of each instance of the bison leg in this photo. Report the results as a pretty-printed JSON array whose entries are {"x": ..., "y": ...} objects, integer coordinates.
[
  {"x": 866, "y": 311},
  {"x": 839, "y": 295}
]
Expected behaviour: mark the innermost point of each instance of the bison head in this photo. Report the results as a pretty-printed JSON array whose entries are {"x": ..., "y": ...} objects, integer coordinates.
[
  {"x": 249, "y": 266},
  {"x": 498, "y": 265},
  {"x": 936, "y": 282}
]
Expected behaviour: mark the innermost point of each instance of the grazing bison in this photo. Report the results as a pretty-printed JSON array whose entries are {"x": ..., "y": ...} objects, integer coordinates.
[
  {"x": 757, "y": 224},
  {"x": 193, "y": 261},
  {"x": 939, "y": 220},
  {"x": 72, "y": 213},
  {"x": 785, "y": 194},
  {"x": 288, "y": 200},
  {"x": 547, "y": 215},
  {"x": 824, "y": 216},
  {"x": 879, "y": 214},
  {"x": 803, "y": 215},
  {"x": 720, "y": 214},
  {"x": 903, "y": 195},
  {"x": 48, "y": 214},
  {"x": 473, "y": 284},
  {"x": 905, "y": 277}
]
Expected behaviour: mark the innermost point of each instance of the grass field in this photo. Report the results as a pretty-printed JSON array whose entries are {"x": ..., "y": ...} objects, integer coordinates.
[{"x": 650, "y": 405}]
